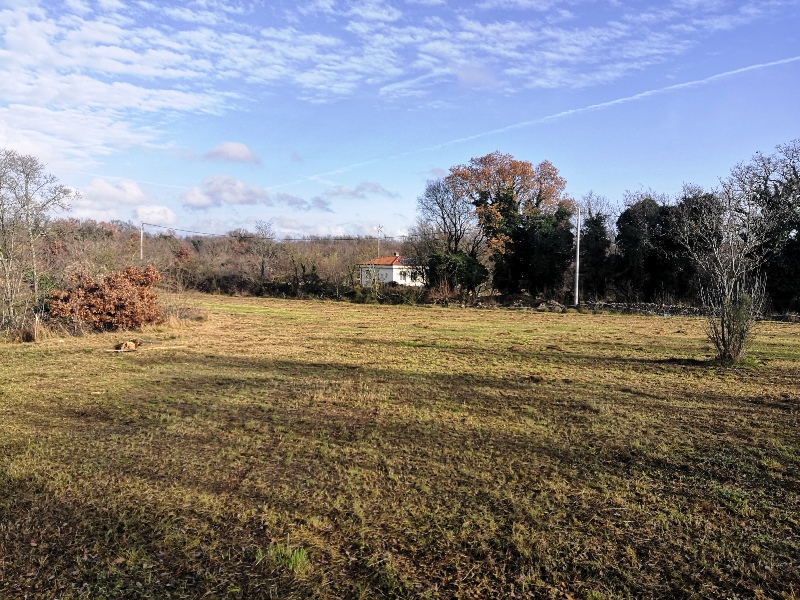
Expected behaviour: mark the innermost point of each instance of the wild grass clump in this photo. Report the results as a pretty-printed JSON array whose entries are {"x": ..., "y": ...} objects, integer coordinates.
[
  {"x": 178, "y": 310},
  {"x": 294, "y": 560}
]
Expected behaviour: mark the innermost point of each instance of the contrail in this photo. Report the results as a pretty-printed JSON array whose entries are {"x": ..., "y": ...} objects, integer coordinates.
[
  {"x": 570, "y": 112},
  {"x": 601, "y": 105},
  {"x": 520, "y": 125}
]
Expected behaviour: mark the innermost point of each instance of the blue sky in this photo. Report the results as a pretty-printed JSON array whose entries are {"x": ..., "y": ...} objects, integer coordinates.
[{"x": 328, "y": 117}]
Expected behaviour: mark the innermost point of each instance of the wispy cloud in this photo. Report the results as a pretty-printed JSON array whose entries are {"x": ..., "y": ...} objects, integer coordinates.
[
  {"x": 122, "y": 70},
  {"x": 538, "y": 5},
  {"x": 224, "y": 190},
  {"x": 361, "y": 191},
  {"x": 564, "y": 114}
]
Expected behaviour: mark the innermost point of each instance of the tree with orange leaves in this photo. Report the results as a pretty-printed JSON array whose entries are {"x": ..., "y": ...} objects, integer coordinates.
[
  {"x": 507, "y": 192},
  {"x": 524, "y": 213}
]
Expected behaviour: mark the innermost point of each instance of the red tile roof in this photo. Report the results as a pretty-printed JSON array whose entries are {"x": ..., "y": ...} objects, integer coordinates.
[{"x": 386, "y": 260}]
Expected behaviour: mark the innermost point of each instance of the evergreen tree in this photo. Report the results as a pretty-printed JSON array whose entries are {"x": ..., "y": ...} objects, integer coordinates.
[{"x": 595, "y": 264}]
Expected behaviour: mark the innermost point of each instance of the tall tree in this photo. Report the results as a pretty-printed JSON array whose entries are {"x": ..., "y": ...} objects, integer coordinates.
[
  {"x": 505, "y": 190},
  {"x": 449, "y": 210},
  {"x": 595, "y": 243},
  {"x": 774, "y": 182},
  {"x": 265, "y": 250},
  {"x": 27, "y": 196},
  {"x": 539, "y": 255},
  {"x": 520, "y": 209},
  {"x": 649, "y": 265},
  {"x": 728, "y": 233}
]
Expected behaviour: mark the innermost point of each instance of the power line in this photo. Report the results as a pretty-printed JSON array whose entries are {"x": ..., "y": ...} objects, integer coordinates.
[{"x": 187, "y": 230}]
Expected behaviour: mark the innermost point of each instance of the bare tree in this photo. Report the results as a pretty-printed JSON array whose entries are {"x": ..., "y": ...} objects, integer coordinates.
[
  {"x": 37, "y": 193},
  {"x": 422, "y": 241},
  {"x": 726, "y": 234},
  {"x": 263, "y": 246},
  {"x": 10, "y": 230},
  {"x": 593, "y": 204},
  {"x": 452, "y": 214},
  {"x": 27, "y": 196}
]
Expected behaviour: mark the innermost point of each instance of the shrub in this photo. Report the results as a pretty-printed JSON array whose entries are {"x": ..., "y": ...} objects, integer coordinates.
[
  {"x": 122, "y": 300},
  {"x": 731, "y": 314}
]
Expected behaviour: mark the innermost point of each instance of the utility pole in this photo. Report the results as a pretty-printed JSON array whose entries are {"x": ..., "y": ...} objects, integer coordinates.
[
  {"x": 141, "y": 242},
  {"x": 578, "y": 257}
]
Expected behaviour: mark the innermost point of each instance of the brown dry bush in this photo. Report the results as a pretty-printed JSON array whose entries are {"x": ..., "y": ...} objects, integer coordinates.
[{"x": 122, "y": 300}]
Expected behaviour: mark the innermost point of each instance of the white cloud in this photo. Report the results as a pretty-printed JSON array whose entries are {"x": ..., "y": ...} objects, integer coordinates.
[
  {"x": 101, "y": 192},
  {"x": 121, "y": 70},
  {"x": 79, "y": 6},
  {"x": 317, "y": 6},
  {"x": 233, "y": 152},
  {"x": 155, "y": 214},
  {"x": 67, "y": 136},
  {"x": 102, "y": 201},
  {"x": 224, "y": 190},
  {"x": 375, "y": 10},
  {"x": 193, "y": 16},
  {"x": 537, "y": 5},
  {"x": 110, "y": 5},
  {"x": 87, "y": 209},
  {"x": 196, "y": 198}
]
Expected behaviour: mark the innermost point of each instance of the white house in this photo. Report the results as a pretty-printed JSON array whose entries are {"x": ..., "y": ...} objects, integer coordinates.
[{"x": 388, "y": 269}]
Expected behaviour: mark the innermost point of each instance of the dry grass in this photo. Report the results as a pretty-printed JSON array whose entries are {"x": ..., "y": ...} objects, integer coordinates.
[{"x": 314, "y": 449}]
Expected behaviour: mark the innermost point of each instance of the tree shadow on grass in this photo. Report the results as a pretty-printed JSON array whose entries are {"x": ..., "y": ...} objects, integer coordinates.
[
  {"x": 302, "y": 440},
  {"x": 59, "y": 543}
]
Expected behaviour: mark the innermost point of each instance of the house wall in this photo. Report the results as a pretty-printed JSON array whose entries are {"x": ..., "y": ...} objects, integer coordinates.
[
  {"x": 388, "y": 274},
  {"x": 380, "y": 273},
  {"x": 405, "y": 275}
]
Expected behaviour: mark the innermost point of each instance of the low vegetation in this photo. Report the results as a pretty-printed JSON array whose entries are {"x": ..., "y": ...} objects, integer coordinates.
[
  {"x": 121, "y": 300},
  {"x": 273, "y": 448}
]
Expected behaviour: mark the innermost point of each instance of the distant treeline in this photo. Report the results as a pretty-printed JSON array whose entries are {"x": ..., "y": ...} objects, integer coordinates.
[
  {"x": 506, "y": 225},
  {"x": 239, "y": 262},
  {"x": 495, "y": 226}
]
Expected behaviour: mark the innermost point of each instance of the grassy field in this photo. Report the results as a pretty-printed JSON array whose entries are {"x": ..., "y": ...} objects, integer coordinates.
[{"x": 314, "y": 449}]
